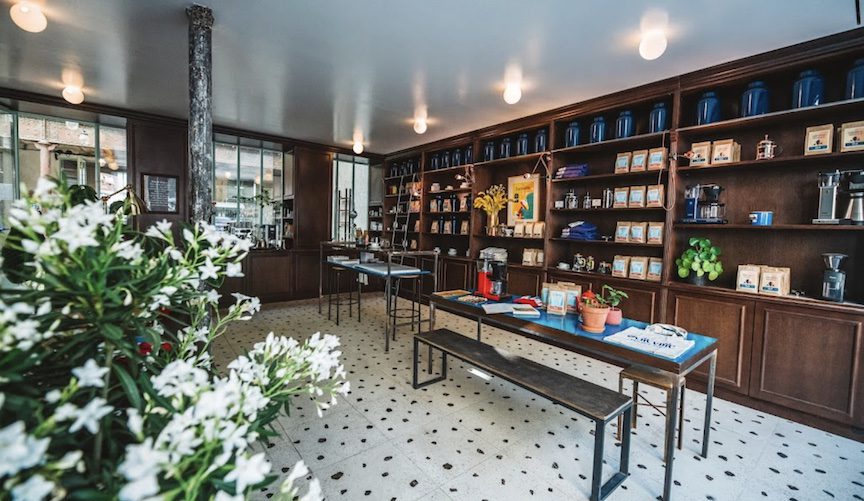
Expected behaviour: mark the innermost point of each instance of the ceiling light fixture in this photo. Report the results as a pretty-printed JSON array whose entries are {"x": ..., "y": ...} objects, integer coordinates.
[
  {"x": 28, "y": 16},
  {"x": 358, "y": 147},
  {"x": 512, "y": 93},
  {"x": 420, "y": 125},
  {"x": 73, "y": 94},
  {"x": 653, "y": 44}
]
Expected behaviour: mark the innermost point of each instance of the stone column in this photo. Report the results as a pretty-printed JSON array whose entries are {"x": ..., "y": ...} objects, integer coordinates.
[{"x": 200, "y": 113}]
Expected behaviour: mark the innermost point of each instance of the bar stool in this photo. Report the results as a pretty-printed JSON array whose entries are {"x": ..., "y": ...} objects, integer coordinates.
[
  {"x": 336, "y": 278},
  {"x": 659, "y": 379},
  {"x": 412, "y": 313}
]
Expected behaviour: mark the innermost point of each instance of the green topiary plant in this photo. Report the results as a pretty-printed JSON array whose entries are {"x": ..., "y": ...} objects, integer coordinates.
[
  {"x": 612, "y": 297},
  {"x": 701, "y": 257}
]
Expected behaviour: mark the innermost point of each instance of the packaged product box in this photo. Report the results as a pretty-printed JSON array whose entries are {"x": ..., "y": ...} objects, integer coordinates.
[
  {"x": 657, "y": 159},
  {"x": 819, "y": 139},
  {"x": 557, "y": 304},
  {"x": 636, "y": 197},
  {"x": 622, "y": 163},
  {"x": 725, "y": 151},
  {"x": 654, "y": 234},
  {"x": 637, "y": 233},
  {"x": 620, "y": 266},
  {"x": 638, "y": 268},
  {"x": 700, "y": 154},
  {"x": 519, "y": 230},
  {"x": 654, "y": 195},
  {"x": 639, "y": 162},
  {"x": 748, "y": 278},
  {"x": 573, "y": 293},
  {"x": 620, "y": 197},
  {"x": 774, "y": 281},
  {"x": 622, "y": 231},
  {"x": 464, "y": 228},
  {"x": 655, "y": 269},
  {"x": 544, "y": 292},
  {"x": 529, "y": 256},
  {"x": 852, "y": 136},
  {"x": 434, "y": 227},
  {"x": 537, "y": 229}
]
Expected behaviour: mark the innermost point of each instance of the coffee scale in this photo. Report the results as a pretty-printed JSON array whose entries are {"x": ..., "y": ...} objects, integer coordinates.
[
  {"x": 703, "y": 205},
  {"x": 492, "y": 274}
]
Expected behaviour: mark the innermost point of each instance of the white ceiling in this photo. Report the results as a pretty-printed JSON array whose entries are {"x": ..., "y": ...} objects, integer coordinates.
[{"x": 319, "y": 69}]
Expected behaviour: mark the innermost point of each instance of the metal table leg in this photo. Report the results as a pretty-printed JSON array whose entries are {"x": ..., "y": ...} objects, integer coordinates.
[
  {"x": 709, "y": 402},
  {"x": 479, "y": 327},
  {"x": 330, "y": 296},
  {"x": 669, "y": 447},
  {"x": 359, "y": 292},
  {"x": 338, "y": 295},
  {"x": 387, "y": 317}
]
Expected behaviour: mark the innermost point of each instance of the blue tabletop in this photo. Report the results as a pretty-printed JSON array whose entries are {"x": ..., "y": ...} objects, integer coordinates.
[
  {"x": 380, "y": 269},
  {"x": 570, "y": 324}
]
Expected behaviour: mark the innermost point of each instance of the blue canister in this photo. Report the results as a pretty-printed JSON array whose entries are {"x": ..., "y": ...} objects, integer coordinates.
[
  {"x": 624, "y": 125},
  {"x": 540, "y": 141},
  {"x": 469, "y": 154},
  {"x": 489, "y": 151},
  {"x": 598, "y": 130},
  {"x": 571, "y": 135},
  {"x": 808, "y": 90},
  {"x": 762, "y": 218},
  {"x": 456, "y": 157},
  {"x": 657, "y": 118},
  {"x": 435, "y": 162},
  {"x": 522, "y": 144},
  {"x": 506, "y": 148},
  {"x": 855, "y": 80},
  {"x": 755, "y": 99},
  {"x": 708, "y": 109},
  {"x": 445, "y": 160}
]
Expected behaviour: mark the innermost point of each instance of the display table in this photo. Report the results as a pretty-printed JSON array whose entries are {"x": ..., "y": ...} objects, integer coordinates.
[{"x": 565, "y": 332}]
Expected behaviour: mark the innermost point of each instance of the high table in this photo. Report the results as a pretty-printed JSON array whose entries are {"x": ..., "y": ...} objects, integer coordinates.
[
  {"x": 565, "y": 332},
  {"x": 386, "y": 269}
]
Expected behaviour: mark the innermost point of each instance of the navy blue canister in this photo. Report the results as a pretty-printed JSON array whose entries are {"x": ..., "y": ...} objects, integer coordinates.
[
  {"x": 571, "y": 135},
  {"x": 506, "y": 148},
  {"x": 657, "y": 118},
  {"x": 808, "y": 90},
  {"x": 598, "y": 130},
  {"x": 708, "y": 109},
  {"x": 755, "y": 99},
  {"x": 456, "y": 157},
  {"x": 469, "y": 154},
  {"x": 435, "y": 162},
  {"x": 489, "y": 151},
  {"x": 522, "y": 144},
  {"x": 855, "y": 81},
  {"x": 540, "y": 141},
  {"x": 624, "y": 125},
  {"x": 445, "y": 159}
]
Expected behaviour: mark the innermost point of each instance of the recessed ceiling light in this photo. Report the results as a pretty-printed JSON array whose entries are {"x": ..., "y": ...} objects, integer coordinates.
[
  {"x": 73, "y": 94},
  {"x": 28, "y": 16},
  {"x": 653, "y": 44},
  {"x": 512, "y": 93}
]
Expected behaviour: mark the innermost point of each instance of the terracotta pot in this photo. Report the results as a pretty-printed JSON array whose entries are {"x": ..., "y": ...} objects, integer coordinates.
[
  {"x": 594, "y": 318},
  {"x": 614, "y": 317}
]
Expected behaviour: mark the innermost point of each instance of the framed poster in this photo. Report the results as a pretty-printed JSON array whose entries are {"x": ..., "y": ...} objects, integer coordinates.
[
  {"x": 160, "y": 193},
  {"x": 524, "y": 194}
]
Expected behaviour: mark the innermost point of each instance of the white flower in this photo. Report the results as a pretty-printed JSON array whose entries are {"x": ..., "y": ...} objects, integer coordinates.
[
  {"x": 129, "y": 250},
  {"x": 248, "y": 471},
  {"x": 89, "y": 415},
  {"x": 208, "y": 270},
  {"x": 298, "y": 471},
  {"x": 34, "y": 489},
  {"x": 224, "y": 496},
  {"x": 213, "y": 296},
  {"x": 65, "y": 412},
  {"x": 180, "y": 378},
  {"x": 134, "y": 422},
  {"x": 69, "y": 460},
  {"x": 90, "y": 374},
  {"x": 142, "y": 460},
  {"x": 314, "y": 493},
  {"x": 19, "y": 449},
  {"x": 53, "y": 396},
  {"x": 234, "y": 270},
  {"x": 159, "y": 230},
  {"x": 140, "y": 489},
  {"x": 175, "y": 254}
]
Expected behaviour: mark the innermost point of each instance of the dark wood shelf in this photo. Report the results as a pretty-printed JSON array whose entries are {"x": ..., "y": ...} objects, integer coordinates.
[
  {"x": 407, "y": 197},
  {"x": 511, "y": 160},
  {"x": 773, "y": 227},
  {"x": 592, "y": 177},
  {"x": 846, "y": 307},
  {"x": 456, "y": 169},
  {"x": 448, "y": 213},
  {"x": 798, "y": 114},
  {"x": 520, "y": 266},
  {"x": 604, "y": 276},
  {"x": 622, "y": 143},
  {"x": 398, "y": 178},
  {"x": 604, "y": 242},
  {"x": 454, "y": 190},
  {"x": 613, "y": 209},
  {"x": 446, "y": 234},
  {"x": 530, "y": 239},
  {"x": 791, "y": 161}
]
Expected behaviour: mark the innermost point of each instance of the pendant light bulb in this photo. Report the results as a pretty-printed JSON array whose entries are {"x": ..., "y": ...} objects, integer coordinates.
[
  {"x": 73, "y": 94},
  {"x": 420, "y": 125},
  {"x": 358, "y": 147},
  {"x": 653, "y": 44},
  {"x": 512, "y": 93},
  {"x": 28, "y": 16}
]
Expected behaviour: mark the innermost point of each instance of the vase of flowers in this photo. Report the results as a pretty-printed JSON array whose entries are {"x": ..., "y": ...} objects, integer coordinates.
[
  {"x": 107, "y": 390},
  {"x": 492, "y": 202}
]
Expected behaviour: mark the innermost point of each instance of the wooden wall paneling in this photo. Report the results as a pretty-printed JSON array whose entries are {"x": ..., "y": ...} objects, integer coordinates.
[
  {"x": 271, "y": 275},
  {"x": 523, "y": 280},
  {"x": 728, "y": 320},
  {"x": 160, "y": 149},
  {"x": 456, "y": 274},
  {"x": 810, "y": 361},
  {"x": 306, "y": 277},
  {"x": 312, "y": 198}
]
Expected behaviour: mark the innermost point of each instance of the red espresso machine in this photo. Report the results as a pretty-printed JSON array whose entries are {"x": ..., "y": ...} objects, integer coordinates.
[{"x": 492, "y": 274}]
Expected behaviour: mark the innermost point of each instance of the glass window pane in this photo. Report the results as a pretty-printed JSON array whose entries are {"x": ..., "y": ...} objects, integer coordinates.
[
  {"x": 57, "y": 148},
  {"x": 250, "y": 189},
  {"x": 7, "y": 165},
  {"x": 225, "y": 214},
  {"x": 112, "y": 162}
]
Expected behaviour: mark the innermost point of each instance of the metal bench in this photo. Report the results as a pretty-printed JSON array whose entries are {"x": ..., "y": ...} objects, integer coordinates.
[{"x": 595, "y": 402}]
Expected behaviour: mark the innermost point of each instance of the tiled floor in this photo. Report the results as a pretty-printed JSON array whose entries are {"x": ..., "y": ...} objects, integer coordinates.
[{"x": 472, "y": 439}]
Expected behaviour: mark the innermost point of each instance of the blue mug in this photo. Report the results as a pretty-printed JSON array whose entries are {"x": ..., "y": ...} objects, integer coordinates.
[{"x": 762, "y": 218}]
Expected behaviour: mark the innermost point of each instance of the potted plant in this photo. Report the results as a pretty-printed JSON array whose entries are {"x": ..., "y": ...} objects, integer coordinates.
[
  {"x": 699, "y": 262},
  {"x": 612, "y": 297},
  {"x": 594, "y": 312},
  {"x": 492, "y": 201}
]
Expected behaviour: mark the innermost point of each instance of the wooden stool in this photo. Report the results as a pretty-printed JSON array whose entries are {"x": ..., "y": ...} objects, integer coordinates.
[{"x": 657, "y": 378}]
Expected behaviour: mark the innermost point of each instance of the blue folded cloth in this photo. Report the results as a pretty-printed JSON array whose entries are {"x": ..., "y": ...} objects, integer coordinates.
[
  {"x": 580, "y": 230},
  {"x": 572, "y": 170}
]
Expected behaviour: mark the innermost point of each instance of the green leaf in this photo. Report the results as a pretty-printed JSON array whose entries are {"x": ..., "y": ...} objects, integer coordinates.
[
  {"x": 683, "y": 272},
  {"x": 693, "y": 241},
  {"x": 700, "y": 273},
  {"x": 713, "y": 275},
  {"x": 129, "y": 386},
  {"x": 718, "y": 267}
]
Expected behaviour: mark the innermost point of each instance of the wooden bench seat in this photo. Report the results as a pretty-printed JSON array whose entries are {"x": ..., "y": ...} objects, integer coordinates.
[{"x": 595, "y": 402}]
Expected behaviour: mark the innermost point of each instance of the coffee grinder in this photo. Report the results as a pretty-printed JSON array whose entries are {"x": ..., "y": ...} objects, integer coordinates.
[
  {"x": 492, "y": 275},
  {"x": 703, "y": 206},
  {"x": 855, "y": 189},
  {"x": 833, "y": 280},
  {"x": 829, "y": 183}
]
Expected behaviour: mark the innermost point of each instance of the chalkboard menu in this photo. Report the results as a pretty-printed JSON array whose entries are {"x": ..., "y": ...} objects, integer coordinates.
[{"x": 160, "y": 193}]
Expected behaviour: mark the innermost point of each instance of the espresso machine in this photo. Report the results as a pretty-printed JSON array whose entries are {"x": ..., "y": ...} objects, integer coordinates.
[
  {"x": 833, "y": 280},
  {"x": 854, "y": 181},
  {"x": 829, "y": 184},
  {"x": 703, "y": 205},
  {"x": 492, "y": 274}
]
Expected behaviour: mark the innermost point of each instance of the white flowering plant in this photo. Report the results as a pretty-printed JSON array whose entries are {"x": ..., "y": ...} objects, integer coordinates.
[{"x": 107, "y": 388}]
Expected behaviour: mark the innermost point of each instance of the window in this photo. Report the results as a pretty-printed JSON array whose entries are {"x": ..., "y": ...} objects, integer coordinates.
[
  {"x": 248, "y": 188},
  {"x": 350, "y": 196}
]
